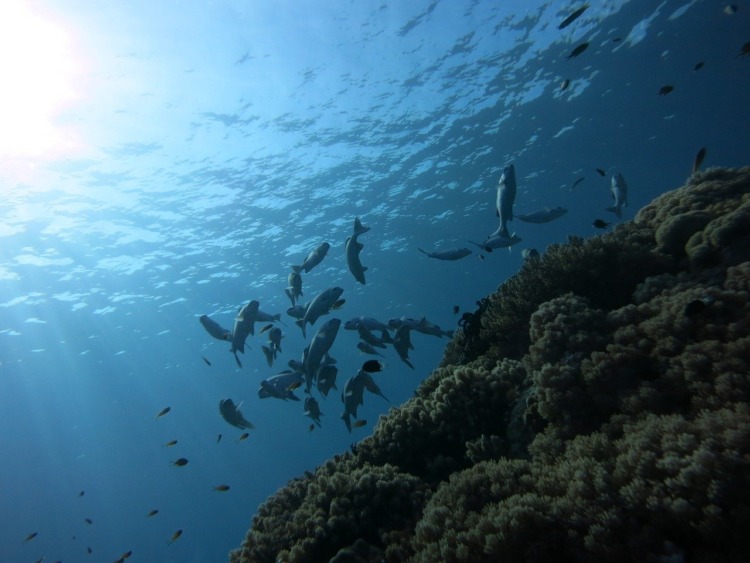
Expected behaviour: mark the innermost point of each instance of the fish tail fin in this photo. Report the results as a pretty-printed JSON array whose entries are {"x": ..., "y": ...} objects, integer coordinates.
[
  {"x": 301, "y": 323},
  {"x": 359, "y": 228},
  {"x": 615, "y": 210}
]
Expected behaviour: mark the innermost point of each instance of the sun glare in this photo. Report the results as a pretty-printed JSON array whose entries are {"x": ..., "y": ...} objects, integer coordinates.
[{"x": 37, "y": 73}]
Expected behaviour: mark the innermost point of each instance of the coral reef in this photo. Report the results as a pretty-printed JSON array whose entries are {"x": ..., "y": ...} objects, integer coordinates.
[{"x": 598, "y": 407}]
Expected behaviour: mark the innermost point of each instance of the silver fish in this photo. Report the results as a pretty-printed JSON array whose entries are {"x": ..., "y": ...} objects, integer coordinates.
[{"x": 353, "y": 248}]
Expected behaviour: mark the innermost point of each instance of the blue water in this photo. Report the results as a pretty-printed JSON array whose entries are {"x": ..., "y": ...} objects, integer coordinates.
[{"x": 212, "y": 145}]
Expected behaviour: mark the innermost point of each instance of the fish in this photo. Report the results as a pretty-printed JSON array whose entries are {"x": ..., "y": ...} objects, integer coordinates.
[
  {"x": 359, "y": 423},
  {"x": 699, "y": 65},
  {"x": 88, "y": 521},
  {"x": 326, "y": 378},
  {"x": 274, "y": 337},
  {"x": 730, "y": 9},
  {"x": 243, "y": 436},
  {"x": 215, "y": 329},
  {"x": 319, "y": 306},
  {"x": 370, "y": 384},
  {"x": 126, "y": 555},
  {"x": 231, "y": 413},
  {"x": 266, "y": 328},
  {"x": 543, "y": 216},
  {"x": 366, "y": 336},
  {"x": 506, "y": 196},
  {"x": 619, "y": 191},
  {"x": 81, "y": 493},
  {"x": 180, "y": 462},
  {"x": 311, "y": 428},
  {"x": 599, "y": 224},
  {"x": 573, "y": 17},
  {"x": 151, "y": 513},
  {"x": 31, "y": 536},
  {"x": 601, "y": 172},
  {"x": 89, "y": 550},
  {"x": 664, "y": 90},
  {"x": 312, "y": 409},
  {"x": 577, "y": 51},
  {"x": 171, "y": 443},
  {"x": 163, "y": 411},
  {"x": 402, "y": 344},
  {"x": 372, "y": 366},
  {"x": 270, "y": 355},
  {"x": 497, "y": 241},
  {"x": 318, "y": 348},
  {"x": 206, "y": 360},
  {"x": 368, "y": 349},
  {"x": 314, "y": 258},
  {"x": 744, "y": 50},
  {"x": 351, "y": 396},
  {"x": 243, "y": 326},
  {"x": 353, "y": 248},
  {"x": 456, "y": 309},
  {"x": 263, "y": 317},
  {"x": 699, "y": 159},
  {"x": 281, "y": 385},
  {"x": 176, "y": 535},
  {"x": 529, "y": 253},
  {"x": 297, "y": 311},
  {"x": 294, "y": 291},
  {"x": 564, "y": 85},
  {"x": 221, "y": 488},
  {"x": 452, "y": 254},
  {"x": 338, "y": 304},
  {"x": 422, "y": 325},
  {"x": 367, "y": 322},
  {"x": 578, "y": 181}
]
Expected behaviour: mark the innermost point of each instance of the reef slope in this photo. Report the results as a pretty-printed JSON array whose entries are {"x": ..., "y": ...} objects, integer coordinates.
[{"x": 595, "y": 406}]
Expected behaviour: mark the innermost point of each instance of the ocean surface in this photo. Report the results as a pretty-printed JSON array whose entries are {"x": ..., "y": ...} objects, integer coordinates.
[{"x": 164, "y": 160}]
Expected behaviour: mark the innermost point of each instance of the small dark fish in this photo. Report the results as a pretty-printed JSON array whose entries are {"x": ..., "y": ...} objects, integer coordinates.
[
  {"x": 599, "y": 224},
  {"x": 573, "y": 17},
  {"x": 180, "y": 462},
  {"x": 151, "y": 513},
  {"x": 372, "y": 366},
  {"x": 744, "y": 51},
  {"x": 698, "y": 66},
  {"x": 578, "y": 181},
  {"x": 731, "y": 9},
  {"x": 577, "y": 51},
  {"x": 359, "y": 423},
  {"x": 601, "y": 172},
  {"x": 126, "y": 554},
  {"x": 163, "y": 412},
  {"x": 456, "y": 309},
  {"x": 206, "y": 360},
  {"x": 664, "y": 90},
  {"x": 266, "y": 328},
  {"x": 338, "y": 304},
  {"x": 699, "y": 159},
  {"x": 171, "y": 443},
  {"x": 243, "y": 436},
  {"x": 89, "y": 550},
  {"x": 88, "y": 521},
  {"x": 30, "y": 537},
  {"x": 81, "y": 493},
  {"x": 616, "y": 39},
  {"x": 481, "y": 256},
  {"x": 176, "y": 535},
  {"x": 218, "y": 438},
  {"x": 311, "y": 428},
  {"x": 221, "y": 488},
  {"x": 564, "y": 85}
]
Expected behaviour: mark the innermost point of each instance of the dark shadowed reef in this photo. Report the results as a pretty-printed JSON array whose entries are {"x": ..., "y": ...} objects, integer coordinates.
[{"x": 595, "y": 407}]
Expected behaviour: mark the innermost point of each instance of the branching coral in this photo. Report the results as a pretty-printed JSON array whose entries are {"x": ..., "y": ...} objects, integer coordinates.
[{"x": 601, "y": 411}]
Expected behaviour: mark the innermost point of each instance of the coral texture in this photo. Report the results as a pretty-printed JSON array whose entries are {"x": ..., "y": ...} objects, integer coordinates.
[{"x": 596, "y": 407}]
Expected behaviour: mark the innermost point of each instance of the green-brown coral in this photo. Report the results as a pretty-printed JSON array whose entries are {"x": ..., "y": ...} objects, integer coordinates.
[{"x": 601, "y": 411}]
